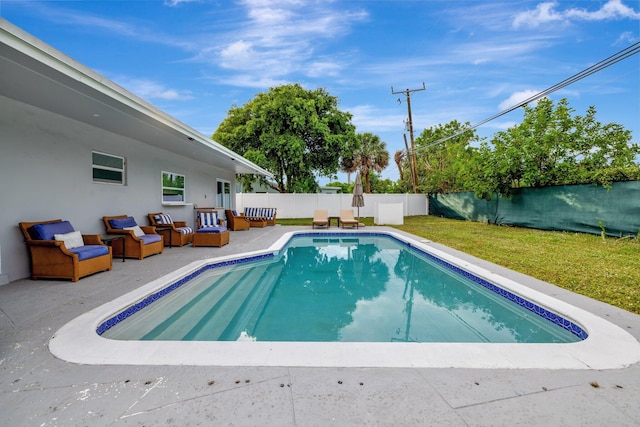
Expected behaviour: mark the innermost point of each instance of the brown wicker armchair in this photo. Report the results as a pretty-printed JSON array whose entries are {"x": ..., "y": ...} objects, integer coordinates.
[
  {"x": 174, "y": 233},
  {"x": 210, "y": 230},
  {"x": 135, "y": 246},
  {"x": 52, "y": 259},
  {"x": 236, "y": 222}
]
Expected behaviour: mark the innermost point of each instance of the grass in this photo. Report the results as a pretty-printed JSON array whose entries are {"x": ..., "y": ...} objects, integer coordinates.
[{"x": 604, "y": 269}]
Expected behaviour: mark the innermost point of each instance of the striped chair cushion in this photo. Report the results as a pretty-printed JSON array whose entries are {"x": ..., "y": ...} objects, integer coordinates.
[
  {"x": 208, "y": 219},
  {"x": 185, "y": 230},
  {"x": 251, "y": 212},
  {"x": 164, "y": 219},
  {"x": 269, "y": 213}
]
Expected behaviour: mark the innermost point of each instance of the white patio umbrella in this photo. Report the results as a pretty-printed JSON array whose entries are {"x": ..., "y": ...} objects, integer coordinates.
[{"x": 358, "y": 198}]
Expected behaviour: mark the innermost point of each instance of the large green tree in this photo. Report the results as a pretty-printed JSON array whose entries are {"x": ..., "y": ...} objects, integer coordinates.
[
  {"x": 368, "y": 154},
  {"x": 292, "y": 132},
  {"x": 551, "y": 146},
  {"x": 441, "y": 167}
]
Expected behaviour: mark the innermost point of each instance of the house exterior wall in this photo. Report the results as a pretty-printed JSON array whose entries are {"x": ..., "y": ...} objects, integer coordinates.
[{"x": 46, "y": 173}]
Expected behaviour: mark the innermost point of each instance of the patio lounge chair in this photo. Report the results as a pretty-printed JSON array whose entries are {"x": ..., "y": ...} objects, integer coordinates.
[
  {"x": 59, "y": 252},
  {"x": 320, "y": 218},
  {"x": 210, "y": 230},
  {"x": 255, "y": 217},
  {"x": 346, "y": 218},
  {"x": 174, "y": 233},
  {"x": 236, "y": 222},
  {"x": 139, "y": 242}
]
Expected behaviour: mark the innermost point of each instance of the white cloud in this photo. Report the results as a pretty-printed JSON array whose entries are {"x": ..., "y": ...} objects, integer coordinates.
[
  {"x": 252, "y": 81},
  {"x": 324, "y": 68},
  {"x": 502, "y": 125},
  {"x": 626, "y": 37},
  {"x": 279, "y": 38},
  {"x": 148, "y": 89},
  {"x": 368, "y": 118},
  {"x": 179, "y": 2},
  {"x": 546, "y": 12},
  {"x": 516, "y": 98}
]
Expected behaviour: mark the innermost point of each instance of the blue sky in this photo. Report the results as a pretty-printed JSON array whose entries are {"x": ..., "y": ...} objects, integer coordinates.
[{"x": 194, "y": 59}]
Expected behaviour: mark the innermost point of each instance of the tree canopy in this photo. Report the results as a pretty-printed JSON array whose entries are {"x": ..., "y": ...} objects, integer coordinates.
[
  {"x": 441, "y": 168},
  {"x": 367, "y": 154},
  {"x": 553, "y": 147},
  {"x": 292, "y": 132}
]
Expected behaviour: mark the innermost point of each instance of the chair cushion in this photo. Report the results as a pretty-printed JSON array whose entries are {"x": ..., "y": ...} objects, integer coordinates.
[
  {"x": 47, "y": 231},
  {"x": 121, "y": 223},
  {"x": 90, "y": 251},
  {"x": 71, "y": 240},
  {"x": 211, "y": 230},
  {"x": 150, "y": 238},
  {"x": 185, "y": 230},
  {"x": 208, "y": 219},
  {"x": 251, "y": 212},
  {"x": 164, "y": 219},
  {"x": 136, "y": 230}
]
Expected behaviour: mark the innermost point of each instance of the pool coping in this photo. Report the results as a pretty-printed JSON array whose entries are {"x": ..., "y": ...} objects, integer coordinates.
[{"x": 607, "y": 346}]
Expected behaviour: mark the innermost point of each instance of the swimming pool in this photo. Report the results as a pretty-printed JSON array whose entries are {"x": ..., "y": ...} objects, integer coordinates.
[
  {"x": 79, "y": 342},
  {"x": 363, "y": 287}
]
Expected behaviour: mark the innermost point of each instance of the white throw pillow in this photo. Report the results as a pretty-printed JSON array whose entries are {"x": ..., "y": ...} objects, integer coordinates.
[
  {"x": 71, "y": 240},
  {"x": 136, "y": 230}
]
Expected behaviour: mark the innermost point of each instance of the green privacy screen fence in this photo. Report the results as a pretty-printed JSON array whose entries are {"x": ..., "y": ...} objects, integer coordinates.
[{"x": 581, "y": 208}]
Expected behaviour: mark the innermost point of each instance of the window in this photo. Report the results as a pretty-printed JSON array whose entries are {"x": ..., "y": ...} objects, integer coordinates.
[
  {"x": 108, "y": 168},
  {"x": 223, "y": 194},
  {"x": 172, "y": 187}
]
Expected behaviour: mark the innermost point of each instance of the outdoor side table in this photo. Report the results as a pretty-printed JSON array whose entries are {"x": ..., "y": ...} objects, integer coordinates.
[
  {"x": 108, "y": 239},
  {"x": 165, "y": 228},
  {"x": 331, "y": 218}
]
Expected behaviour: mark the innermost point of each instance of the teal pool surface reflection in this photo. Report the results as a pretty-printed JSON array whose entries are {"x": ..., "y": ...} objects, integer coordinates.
[{"x": 349, "y": 288}]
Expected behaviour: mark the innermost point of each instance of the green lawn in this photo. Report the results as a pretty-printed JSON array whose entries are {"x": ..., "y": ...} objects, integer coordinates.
[{"x": 604, "y": 269}]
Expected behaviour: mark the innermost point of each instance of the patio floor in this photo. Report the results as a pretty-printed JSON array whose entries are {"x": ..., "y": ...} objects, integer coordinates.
[{"x": 37, "y": 389}]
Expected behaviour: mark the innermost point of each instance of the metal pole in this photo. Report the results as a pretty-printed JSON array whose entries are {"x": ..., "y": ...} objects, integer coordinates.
[{"x": 414, "y": 168}]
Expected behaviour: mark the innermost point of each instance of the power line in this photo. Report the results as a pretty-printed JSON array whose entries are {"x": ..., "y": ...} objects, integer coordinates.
[{"x": 607, "y": 62}]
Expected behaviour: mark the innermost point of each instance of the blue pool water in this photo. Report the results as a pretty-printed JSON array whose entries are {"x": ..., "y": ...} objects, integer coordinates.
[{"x": 339, "y": 287}]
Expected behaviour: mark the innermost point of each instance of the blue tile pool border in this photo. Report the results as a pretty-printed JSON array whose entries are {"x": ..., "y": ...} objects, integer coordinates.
[{"x": 530, "y": 306}]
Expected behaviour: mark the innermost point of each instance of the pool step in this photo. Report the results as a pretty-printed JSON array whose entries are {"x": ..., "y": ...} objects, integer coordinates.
[
  {"x": 181, "y": 313},
  {"x": 145, "y": 321},
  {"x": 245, "y": 317},
  {"x": 246, "y": 295},
  {"x": 190, "y": 316}
]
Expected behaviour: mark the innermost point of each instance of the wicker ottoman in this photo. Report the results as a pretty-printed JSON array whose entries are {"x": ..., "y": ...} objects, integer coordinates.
[{"x": 210, "y": 238}]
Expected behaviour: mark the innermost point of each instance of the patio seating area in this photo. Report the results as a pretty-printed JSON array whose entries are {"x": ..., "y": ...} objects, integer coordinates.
[{"x": 36, "y": 388}]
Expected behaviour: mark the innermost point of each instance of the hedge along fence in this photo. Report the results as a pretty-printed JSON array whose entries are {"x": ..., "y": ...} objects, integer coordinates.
[{"x": 581, "y": 208}]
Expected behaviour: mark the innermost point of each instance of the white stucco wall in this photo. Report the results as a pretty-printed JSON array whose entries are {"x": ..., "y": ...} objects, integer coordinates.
[{"x": 46, "y": 173}]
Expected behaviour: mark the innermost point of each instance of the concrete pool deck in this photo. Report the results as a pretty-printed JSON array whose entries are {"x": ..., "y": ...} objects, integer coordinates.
[{"x": 38, "y": 389}]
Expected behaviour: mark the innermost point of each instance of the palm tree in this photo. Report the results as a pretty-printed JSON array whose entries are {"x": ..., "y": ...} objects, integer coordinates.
[{"x": 370, "y": 154}]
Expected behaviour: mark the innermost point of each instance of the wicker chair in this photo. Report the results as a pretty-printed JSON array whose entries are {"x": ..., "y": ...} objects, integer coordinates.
[
  {"x": 210, "y": 230},
  {"x": 135, "y": 246},
  {"x": 260, "y": 217},
  {"x": 236, "y": 222},
  {"x": 174, "y": 233},
  {"x": 52, "y": 259}
]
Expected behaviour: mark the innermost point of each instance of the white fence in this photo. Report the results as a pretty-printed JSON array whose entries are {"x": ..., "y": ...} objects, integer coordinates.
[{"x": 297, "y": 205}]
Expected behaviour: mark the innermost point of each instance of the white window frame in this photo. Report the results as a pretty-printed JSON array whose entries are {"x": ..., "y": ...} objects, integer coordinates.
[
  {"x": 220, "y": 196},
  {"x": 103, "y": 168},
  {"x": 170, "y": 189}
]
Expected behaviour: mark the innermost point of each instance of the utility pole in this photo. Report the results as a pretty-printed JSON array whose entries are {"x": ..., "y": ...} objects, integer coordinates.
[{"x": 412, "y": 154}]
